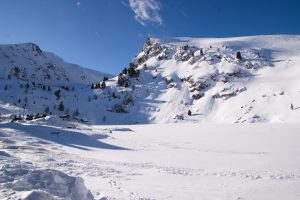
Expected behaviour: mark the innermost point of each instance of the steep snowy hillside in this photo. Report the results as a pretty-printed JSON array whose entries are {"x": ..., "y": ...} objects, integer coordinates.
[
  {"x": 245, "y": 79},
  {"x": 33, "y": 79},
  {"x": 27, "y": 62},
  {"x": 233, "y": 80}
]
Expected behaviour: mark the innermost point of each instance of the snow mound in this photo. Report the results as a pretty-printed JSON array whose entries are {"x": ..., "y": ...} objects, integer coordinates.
[
  {"x": 55, "y": 183},
  {"x": 38, "y": 194},
  {"x": 46, "y": 184}
]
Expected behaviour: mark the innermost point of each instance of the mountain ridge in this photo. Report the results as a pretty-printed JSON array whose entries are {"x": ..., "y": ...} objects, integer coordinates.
[
  {"x": 28, "y": 55},
  {"x": 231, "y": 80}
]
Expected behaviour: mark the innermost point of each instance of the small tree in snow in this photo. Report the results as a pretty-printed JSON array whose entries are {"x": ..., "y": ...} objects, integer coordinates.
[
  {"x": 27, "y": 86},
  {"x": 126, "y": 84},
  {"x": 238, "y": 55},
  {"x": 105, "y": 78},
  {"x": 103, "y": 85},
  {"x": 57, "y": 94},
  {"x": 201, "y": 52},
  {"x": 61, "y": 106},
  {"x": 47, "y": 110},
  {"x": 97, "y": 86},
  {"x": 121, "y": 80},
  {"x": 189, "y": 112},
  {"x": 125, "y": 71}
]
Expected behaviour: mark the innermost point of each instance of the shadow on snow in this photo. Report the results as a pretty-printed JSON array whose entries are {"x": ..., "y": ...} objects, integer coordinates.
[{"x": 62, "y": 136}]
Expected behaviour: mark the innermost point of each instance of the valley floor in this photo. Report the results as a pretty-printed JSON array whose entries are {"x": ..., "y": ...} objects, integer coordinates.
[{"x": 163, "y": 161}]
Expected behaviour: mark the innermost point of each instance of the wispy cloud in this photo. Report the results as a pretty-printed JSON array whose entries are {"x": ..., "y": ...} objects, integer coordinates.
[
  {"x": 124, "y": 4},
  {"x": 146, "y": 11}
]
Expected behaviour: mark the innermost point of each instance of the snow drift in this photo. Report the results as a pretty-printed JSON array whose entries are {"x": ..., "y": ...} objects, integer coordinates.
[{"x": 22, "y": 180}]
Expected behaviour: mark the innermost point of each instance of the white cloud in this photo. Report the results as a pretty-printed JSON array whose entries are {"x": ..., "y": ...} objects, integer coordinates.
[
  {"x": 146, "y": 11},
  {"x": 78, "y": 3},
  {"x": 124, "y": 4}
]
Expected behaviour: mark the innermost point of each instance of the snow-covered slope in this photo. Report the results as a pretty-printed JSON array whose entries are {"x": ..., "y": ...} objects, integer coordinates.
[
  {"x": 27, "y": 62},
  {"x": 29, "y": 78},
  {"x": 207, "y": 77},
  {"x": 259, "y": 87},
  {"x": 234, "y": 80}
]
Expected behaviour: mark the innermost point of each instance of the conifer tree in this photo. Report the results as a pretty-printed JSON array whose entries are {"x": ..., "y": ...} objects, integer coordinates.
[
  {"x": 57, "y": 94},
  {"x": 238, "y": 55},
  {"x": 61, "y": 106},
  {"x": 103, "y": 85}
]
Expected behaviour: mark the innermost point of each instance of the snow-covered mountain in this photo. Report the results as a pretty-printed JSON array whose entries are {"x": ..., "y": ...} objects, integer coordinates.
[
  {"x": 29, "y": 77},
  {"x": 27, "y": 62},
  {"x": 47, "y": 154},
  {"x": 244, "y": 79},
  {"x": 235, "y": 80}
]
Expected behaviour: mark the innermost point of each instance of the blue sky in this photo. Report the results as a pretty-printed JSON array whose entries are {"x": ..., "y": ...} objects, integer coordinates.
[{"x": 105, "y": 34}]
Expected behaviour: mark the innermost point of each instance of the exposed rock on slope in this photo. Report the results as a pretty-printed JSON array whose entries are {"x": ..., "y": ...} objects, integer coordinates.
[{"x": 244, "y": 79}]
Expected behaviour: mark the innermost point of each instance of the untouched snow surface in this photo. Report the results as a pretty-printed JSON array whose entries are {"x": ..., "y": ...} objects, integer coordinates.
[{"x": 170, "y": 161}]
